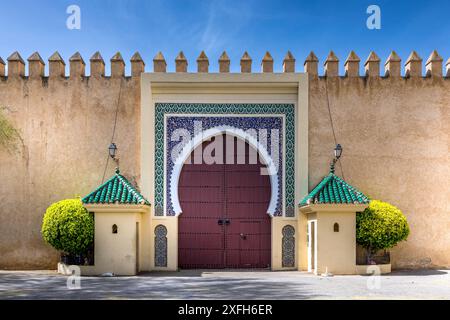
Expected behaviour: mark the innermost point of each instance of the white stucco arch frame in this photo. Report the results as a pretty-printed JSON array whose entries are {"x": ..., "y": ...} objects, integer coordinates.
[{"x": 207, "y": 135}]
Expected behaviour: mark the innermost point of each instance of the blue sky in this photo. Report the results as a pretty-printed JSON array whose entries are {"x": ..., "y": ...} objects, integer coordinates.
[{"x": 215, "y": 25}]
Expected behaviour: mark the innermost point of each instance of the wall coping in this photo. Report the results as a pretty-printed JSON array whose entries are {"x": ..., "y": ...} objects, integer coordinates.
[
  {"x": 117, "y": 208},
  {"x": 333, "y": 208}
]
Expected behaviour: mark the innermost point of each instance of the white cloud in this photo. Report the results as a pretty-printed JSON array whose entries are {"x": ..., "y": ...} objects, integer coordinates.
[{"x": 224, "y": 24}]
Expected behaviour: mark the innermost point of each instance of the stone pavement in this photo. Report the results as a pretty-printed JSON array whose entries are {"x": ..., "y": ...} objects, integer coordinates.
[{"x": 224, "y": 285}]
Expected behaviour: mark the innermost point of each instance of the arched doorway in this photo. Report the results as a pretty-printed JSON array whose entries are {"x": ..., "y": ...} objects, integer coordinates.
[{"x": 224, "y": 221}]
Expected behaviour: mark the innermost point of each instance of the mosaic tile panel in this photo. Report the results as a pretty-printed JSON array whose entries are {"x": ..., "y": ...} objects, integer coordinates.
[
  {"x": 160, "y": 246},
  {"x": 288, "y": 247},
  {"x": 187, "y": 122},
  {"x": 287, "y": 110}
]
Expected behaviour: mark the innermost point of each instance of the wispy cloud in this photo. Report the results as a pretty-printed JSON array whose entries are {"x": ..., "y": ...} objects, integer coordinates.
[{"x": 224, "y": 24}]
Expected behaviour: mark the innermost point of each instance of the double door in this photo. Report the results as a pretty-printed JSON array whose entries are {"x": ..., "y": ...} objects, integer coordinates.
[{"x": 224, "y": 221}]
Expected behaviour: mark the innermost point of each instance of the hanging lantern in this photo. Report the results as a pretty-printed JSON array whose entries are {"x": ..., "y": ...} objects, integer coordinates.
[
  {"x": 338, "y": 151},
  {"x": 112, "y": 150}
]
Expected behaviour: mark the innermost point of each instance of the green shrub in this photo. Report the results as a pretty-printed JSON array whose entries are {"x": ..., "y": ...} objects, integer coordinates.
[
  {"x": 67, "y": 226},
  {"x": 9, "y": 136},
  {"x": 380, "y": 226}
]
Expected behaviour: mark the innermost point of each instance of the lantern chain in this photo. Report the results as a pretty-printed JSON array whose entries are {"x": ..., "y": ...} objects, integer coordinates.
[
  {"x": 114, "y": 128},
  {"x": 332, "y": 125}
]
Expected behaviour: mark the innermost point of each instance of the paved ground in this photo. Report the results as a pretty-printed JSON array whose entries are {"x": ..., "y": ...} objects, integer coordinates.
[{"x": 424, "y": 284}]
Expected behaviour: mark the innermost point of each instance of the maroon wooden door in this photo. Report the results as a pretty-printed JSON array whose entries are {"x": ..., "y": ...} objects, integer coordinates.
[{"x": 224, "y": 223}]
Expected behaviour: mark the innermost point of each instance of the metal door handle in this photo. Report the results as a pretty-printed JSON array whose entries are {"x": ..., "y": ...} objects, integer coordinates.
[{"x": 221, "y": 222}]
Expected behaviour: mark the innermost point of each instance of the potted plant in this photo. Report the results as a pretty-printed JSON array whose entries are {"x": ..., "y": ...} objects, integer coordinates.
[
  {"x": 380, "y": 227},
  {"x": 69, "y": 227}
]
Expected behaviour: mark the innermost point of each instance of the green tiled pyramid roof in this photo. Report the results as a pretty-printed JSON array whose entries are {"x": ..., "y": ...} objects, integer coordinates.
[
  {"x": 334, "y": 190},
  {"x": 116, "y": 190}
]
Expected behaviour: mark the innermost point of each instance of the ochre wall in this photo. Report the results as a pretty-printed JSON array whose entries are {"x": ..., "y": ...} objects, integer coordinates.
[
  {"x": 395, "y": 134},
  {"x": 66, "y": 126},
  {"x": 396, "y": 138}
]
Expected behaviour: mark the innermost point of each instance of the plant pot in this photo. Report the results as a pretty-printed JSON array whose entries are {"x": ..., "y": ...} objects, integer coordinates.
[
  {"x": 78, "y": 260},
  {"x": 363, "y": 257},
  {"x": 65, "y": 259}
]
